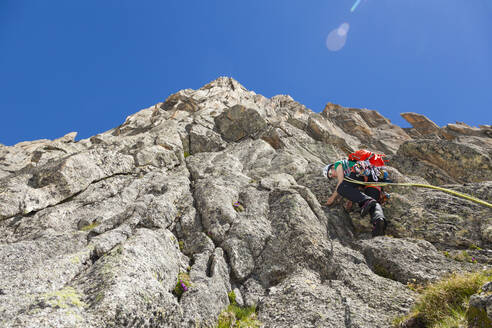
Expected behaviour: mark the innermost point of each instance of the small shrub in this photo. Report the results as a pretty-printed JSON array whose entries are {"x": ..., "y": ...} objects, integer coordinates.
[
  {"x": 226, "y": 320},
  {"x": 456, "y": 318},
  {"x": 446, "y": 301},
  {"x": 181, "y": 245},
  {"x": 182, "y": 285},
  {"x": 465, "y": 257},
  {"x": 238, "y": 207},
  {"x": 474, "y": 247},
  {"x": 186, "y": 154},
  {"x": 238, "y": 317},
  {"x": 416, "y": 287},
  {"x": 243, "y": 313},
  {"x": 232, "y": 297}
]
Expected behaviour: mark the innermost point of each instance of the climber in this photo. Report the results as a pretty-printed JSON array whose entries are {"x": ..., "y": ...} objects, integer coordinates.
[{"x": 367, "y": 200}]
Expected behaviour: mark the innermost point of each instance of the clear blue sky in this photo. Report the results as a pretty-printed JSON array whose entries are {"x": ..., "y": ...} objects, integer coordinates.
[{"x": 68, "y": 65}]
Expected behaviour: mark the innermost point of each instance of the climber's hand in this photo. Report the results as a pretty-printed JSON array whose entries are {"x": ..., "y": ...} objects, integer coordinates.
[{"x": 330, "y": 201}]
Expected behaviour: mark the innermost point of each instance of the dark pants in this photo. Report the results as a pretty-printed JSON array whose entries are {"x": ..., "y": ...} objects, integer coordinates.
[{"x": 352, "y": 192}]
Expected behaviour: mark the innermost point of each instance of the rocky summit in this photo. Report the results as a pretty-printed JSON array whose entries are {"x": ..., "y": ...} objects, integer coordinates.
[{"x": 155, "y": 222}]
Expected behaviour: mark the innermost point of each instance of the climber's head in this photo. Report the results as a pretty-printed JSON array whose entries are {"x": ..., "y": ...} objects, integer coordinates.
[{"x": 329, "y": 171}]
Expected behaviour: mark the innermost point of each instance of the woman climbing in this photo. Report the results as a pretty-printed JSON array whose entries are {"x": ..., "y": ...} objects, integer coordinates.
[{"x": 367, "y": 200}]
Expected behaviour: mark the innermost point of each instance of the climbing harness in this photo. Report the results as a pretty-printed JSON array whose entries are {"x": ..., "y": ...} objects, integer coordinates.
[
  {"x": 366, "y": 169},
  {"x": 419, "y": 185}
]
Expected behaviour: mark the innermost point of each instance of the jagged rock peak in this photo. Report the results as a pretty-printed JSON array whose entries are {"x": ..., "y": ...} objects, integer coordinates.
[
  {"x": 224, "y": 82},
  {"x": 221, "y": 188}
]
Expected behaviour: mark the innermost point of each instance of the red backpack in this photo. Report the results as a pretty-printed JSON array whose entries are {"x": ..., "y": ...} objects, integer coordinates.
[{"x": 366, "y": 155}]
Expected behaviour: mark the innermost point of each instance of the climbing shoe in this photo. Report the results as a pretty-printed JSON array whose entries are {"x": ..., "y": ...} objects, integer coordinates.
[
  {"x": 378, "y": 227},
  {"x": 367, "y": 206}
]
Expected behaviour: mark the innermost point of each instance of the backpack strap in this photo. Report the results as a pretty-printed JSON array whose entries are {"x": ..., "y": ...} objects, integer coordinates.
[{"x": 346, "y": 167}]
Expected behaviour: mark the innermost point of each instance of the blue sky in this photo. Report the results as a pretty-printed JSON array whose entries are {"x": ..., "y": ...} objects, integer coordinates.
[{"x": 84, "y": 66}]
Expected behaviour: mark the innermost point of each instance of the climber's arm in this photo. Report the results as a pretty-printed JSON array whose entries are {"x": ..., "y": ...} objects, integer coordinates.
[{"x": 339, "y": 174}]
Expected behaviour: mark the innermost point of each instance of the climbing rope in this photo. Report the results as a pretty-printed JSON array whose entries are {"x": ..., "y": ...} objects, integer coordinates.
[{"x": 419, "y": 185}]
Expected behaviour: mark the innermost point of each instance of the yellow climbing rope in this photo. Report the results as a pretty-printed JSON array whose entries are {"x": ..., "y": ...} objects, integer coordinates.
[{"x": 449, "y": 191}]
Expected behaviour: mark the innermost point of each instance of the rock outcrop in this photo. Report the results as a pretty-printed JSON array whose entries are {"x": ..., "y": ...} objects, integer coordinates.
[{"x": 224, "y": 186}]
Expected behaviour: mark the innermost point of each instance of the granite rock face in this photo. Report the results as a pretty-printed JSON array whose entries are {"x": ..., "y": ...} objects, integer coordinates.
[{"x": 224, "y": 187}]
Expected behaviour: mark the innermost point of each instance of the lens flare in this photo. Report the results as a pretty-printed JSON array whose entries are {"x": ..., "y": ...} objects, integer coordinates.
[
  {"x": 343, "y": 29},
  {"x": 337, "y": 37},
  {"x": 354, "y": 6}
]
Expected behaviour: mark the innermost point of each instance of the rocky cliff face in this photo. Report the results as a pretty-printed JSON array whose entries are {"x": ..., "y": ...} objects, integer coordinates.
[{"x": 225, "y": 186}]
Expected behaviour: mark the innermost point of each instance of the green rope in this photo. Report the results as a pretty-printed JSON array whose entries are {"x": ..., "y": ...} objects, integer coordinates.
[{"x": 449, "y": 191}]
